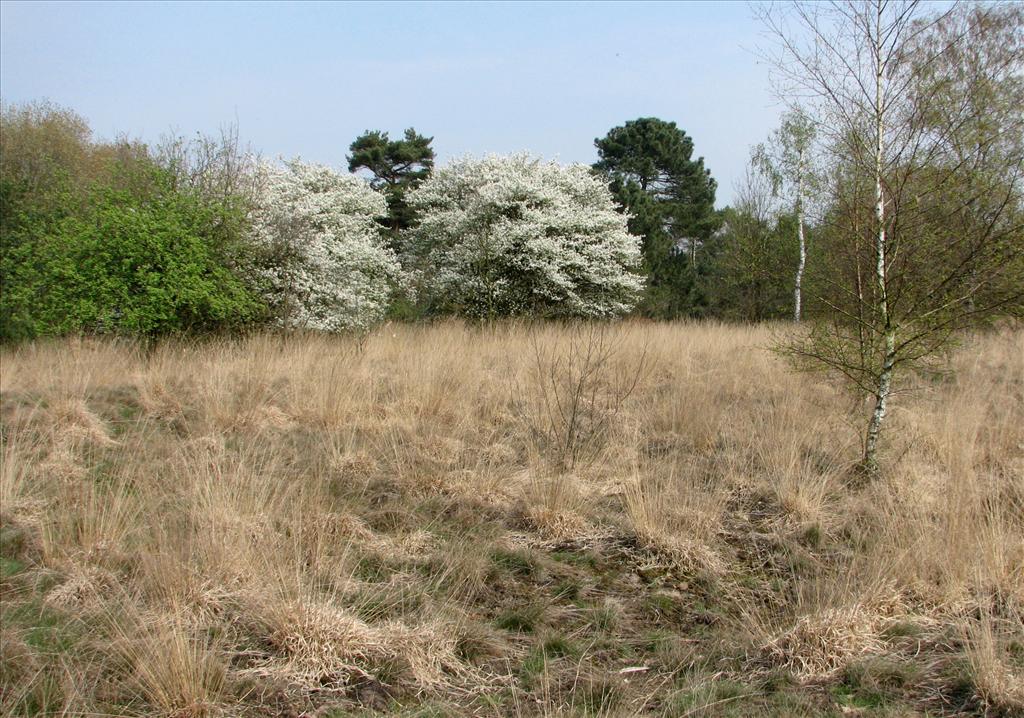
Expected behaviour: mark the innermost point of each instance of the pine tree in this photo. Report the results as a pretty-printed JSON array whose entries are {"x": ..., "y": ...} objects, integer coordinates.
[
  {"x": 670, "y": 197},
  {"x": 398, "y": 166}
]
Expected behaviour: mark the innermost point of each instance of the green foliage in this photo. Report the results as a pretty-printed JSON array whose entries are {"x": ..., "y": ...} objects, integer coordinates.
[
  {"x": 46, "y": 149},
  {"x": 98, "y": 238},
  {"x": 126, "y": 265},
  {"x": 670, "y": 198},
  {"x": 785, "y": 161},
  {"x": 751, "y": 276},
  {"x": 398, "y": 166}
]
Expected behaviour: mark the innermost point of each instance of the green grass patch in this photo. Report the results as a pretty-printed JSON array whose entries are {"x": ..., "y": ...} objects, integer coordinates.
[
  {"x": 518, "y": 562},
  {"x": 42, "y": 628},
  {"x": 901, "y": 629},
  {"x": 558, "y": 647},
  {"x": 10, "y": 567},
  {"x": 604, "y": 617},
  {"x": 582, "y": 559},
  {"x": 520, "y": 619},
  {"x": 532, "y": 669},
  {"x": 373, "y": 568},
  {"x": 568, "y": 589}
]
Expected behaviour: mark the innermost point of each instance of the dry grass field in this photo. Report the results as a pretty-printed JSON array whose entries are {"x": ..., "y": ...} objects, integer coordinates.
[{"x": 640, "y": 519}]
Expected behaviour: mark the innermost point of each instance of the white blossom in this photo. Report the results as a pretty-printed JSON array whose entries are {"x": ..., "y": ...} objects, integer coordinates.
[
  {"x": 515, "y": 235},
  {"x": 328, "y": 267}
]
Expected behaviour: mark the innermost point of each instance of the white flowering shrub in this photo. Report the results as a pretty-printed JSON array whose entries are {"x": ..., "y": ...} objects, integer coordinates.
[
  {"x": 324, "y": 263},
  {"x": 515, "y": 235}
]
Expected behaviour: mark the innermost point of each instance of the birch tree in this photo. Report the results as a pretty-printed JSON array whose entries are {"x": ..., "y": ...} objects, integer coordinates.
[
  {"x": 750, "y": 276},
  {"x": 922, "y": 203},
  {"x": 786, "y": 162}
]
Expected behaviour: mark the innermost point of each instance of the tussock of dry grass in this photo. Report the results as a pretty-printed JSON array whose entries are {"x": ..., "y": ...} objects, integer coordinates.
[
  {"x": 819, "y": 644},
  {"x": 678, "y": 516},
  {"x": 998, "y": 678},
  {"x": 499, "y": 521},
  {"x": 177, "y": 671}
]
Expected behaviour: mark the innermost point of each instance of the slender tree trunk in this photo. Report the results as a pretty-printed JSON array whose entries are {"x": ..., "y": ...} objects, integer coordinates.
[
  {"x": 800, "y": 234},
  {"x": 884, "y": 385},
  {"x": 878, "y": 415}
]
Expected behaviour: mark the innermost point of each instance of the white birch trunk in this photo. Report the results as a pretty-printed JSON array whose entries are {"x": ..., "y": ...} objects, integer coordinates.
[{"x": 884, "y": 386}]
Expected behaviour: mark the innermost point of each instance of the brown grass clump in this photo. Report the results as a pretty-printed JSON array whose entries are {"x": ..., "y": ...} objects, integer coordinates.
[
  {"x": 556, "y": 503},
  {"x": 428, "y": 654},
  {"x": 94, "y": 522},
  {"x": 16, "y": 470},
  {"x": 997, "y": 678},
  {"x": 321, "y": 644},
  {"x": 677, "y": 514},
  {"x": 506, "y": 520},
  {"x": 83, "y": 589},
  {"x": 73, "y": 419},
  {"x": 178, "y": 673},
  {"x": 819, "y": 644}
]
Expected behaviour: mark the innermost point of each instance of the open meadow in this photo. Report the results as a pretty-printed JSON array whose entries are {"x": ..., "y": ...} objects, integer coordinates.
[
  {"x": 557, "y": 519},
  {"x": 540, "y": 406}
]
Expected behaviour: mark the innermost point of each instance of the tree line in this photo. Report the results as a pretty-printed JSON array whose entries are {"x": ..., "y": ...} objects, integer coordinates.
[{"x": 200, "y": 234}]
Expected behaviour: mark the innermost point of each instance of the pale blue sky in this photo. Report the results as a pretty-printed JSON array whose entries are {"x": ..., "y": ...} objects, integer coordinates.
[{"x": 306, "y": 79}]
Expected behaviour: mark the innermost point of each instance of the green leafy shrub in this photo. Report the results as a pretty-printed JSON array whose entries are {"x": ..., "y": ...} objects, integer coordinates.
[{"x": 129, "y": 264}]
